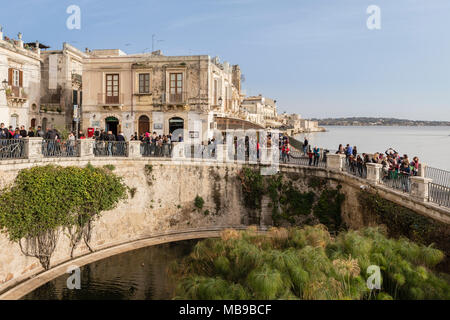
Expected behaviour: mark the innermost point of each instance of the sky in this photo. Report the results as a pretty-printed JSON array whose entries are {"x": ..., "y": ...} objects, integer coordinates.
[{"x": 315, "y": 57}]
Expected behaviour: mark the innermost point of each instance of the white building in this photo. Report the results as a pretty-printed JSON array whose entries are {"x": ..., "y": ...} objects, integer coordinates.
[{"x": 20, "y": 67}]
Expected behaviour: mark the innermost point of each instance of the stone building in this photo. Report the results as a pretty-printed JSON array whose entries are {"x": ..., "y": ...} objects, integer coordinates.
[
  {"x": 61, "y": 87},
  {"x": 20, "y": 65},
  {"x": 156, "y": 93},
  {"x": 261, "y": 110}
]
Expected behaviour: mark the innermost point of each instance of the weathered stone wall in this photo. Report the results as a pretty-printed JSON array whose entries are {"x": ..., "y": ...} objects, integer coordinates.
[{"x": 162, "y": 200}]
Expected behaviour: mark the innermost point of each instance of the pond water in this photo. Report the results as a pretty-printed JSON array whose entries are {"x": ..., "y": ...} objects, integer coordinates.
[{"x": 136, "y": 275}]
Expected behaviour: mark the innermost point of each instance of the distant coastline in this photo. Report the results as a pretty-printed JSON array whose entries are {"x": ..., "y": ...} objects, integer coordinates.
[{"x": 366, "y": 121}]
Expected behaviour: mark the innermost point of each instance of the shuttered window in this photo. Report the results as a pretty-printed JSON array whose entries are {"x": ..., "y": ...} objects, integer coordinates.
[{"x": 144, "y": 83}]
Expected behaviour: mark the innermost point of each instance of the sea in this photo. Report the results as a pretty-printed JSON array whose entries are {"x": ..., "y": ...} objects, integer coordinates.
[{"x": 431, "y": 144}]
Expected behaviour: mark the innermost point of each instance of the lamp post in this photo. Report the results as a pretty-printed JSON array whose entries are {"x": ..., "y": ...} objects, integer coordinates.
[{"x": 4, "y": 85}]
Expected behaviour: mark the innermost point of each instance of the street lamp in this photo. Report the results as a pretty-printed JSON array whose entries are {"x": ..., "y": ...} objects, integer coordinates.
[{"x": 5, "y": 85}]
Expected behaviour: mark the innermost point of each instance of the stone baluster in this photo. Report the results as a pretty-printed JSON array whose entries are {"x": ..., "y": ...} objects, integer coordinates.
[
  {"x": 134, "y": 149},
  {"x": 422, "y": 169},
  {"x": 420, "y": 188},
  {"x": 33, "y": 148},
  {"x": 374, "y": 172},
  {"x": 335, "y": 161},
  {"x": 86, "y": 148},
  {"x": 178, "y": 152}
]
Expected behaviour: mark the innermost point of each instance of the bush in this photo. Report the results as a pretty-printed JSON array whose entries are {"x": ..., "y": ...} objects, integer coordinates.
[
  {"x": 45, "y": 199},
  {"x": 308, "y": 264}
]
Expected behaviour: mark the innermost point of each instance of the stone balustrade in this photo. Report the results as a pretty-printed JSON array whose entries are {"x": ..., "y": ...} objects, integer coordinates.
[{"x": 419, "y": 185}]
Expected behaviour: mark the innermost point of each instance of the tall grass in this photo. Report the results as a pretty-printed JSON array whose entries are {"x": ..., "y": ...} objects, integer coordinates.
[{"x": 309, "y": 264}]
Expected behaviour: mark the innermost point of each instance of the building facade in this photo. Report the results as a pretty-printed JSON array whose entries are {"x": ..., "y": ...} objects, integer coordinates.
[
  {"x": 20, "y": 66},
  {"x": 61, "y": 87},
  {"x": 261, "y": 110},
  {"x": 155, "y": 93}
]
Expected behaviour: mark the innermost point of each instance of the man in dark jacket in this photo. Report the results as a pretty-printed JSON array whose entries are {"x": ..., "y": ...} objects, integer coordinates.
[
  {"x": 40, "y": 133},
  {"x": 23, "y": 132}
]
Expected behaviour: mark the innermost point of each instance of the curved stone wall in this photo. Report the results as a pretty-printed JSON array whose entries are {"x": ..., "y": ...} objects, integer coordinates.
[{"x": 163, "y": 202}]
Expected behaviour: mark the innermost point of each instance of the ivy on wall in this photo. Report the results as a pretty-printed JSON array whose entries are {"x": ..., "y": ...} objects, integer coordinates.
[
  {"x": 45, "y": 200},
  {"x": 401, "y": 221},
  {"x": 289, "y": 204}
]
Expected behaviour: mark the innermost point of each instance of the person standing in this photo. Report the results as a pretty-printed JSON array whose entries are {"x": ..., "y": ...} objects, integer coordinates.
[
  {"x": 110, "y": 138},
  {"x": 305, "y": 146},
  {"x": 23, "y": 132},
  {"x": 31, "y": 133},
  {"x": 40, "y": 133},
  {"x": 316, "y": 152}
]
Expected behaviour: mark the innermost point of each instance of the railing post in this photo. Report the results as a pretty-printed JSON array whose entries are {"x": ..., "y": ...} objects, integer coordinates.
[
  {"x": 420, "y": 187},
  {"x": 178, "y": 151},
  {"x": 422, "y": 168},
  {"x": 33, "y": 148},
  {"x": 373, "y": 172},
  {"x": 134, "y": 149},
  {"x": 86, "y": 148},
  {"x": 335, "y": 161},
  {"x": 222, "y": 152}
]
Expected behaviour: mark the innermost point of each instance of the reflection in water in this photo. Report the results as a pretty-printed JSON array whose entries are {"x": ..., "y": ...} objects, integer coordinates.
[{"x": 135, "y": 275}]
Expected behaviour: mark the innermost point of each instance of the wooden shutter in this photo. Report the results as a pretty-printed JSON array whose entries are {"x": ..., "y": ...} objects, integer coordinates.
[
  {"x": 20, "y": 78},
  {"x": 10, "y": 76}
]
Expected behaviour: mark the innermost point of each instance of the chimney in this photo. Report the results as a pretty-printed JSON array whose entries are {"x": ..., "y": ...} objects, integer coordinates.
[
  {"x": 38, "y": 50},
  {"x": 19, "y": 36}
]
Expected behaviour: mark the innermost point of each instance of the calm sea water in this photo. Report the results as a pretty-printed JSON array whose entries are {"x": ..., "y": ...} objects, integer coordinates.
[
  {"x": 430, "y": 144},
  {"x": 136, "y": 275}
]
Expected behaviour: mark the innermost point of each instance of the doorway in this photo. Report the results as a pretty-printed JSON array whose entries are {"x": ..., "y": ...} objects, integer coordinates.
[
  {"x": 144, "y": 125},
  {"x": 112, "y": 124},
  {"x": 176, "y": 123}
]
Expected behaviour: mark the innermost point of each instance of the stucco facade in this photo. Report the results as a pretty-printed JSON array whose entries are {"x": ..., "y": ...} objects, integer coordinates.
[
  {"x": 156, "y": 93},
  {"x": 20, "y": 72},
  {"x": 61, "y": 87}
]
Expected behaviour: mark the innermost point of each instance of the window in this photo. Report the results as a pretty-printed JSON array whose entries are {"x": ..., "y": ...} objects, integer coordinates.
[
  {"x": 16, "y": 77},
  {"x": 176, "y": 87},
  {"x": 144, "y": 83},
  {"x": 112, "y": 88}
]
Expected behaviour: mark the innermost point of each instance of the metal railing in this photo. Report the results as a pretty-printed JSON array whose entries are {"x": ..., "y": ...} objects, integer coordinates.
[
  {"x": 439, "y": 176},
  {"x": 57, "y": 148},
  {"x": 110, "y": 149},
  {"x": 152, "y": 149},
  {"x": 396, "y": 180},
  {"x": 355, "y": 168},
  {"x": 299, "y": 158},
  {"x": 12, "y": 149},
  {"x": 439, "y": 194}
]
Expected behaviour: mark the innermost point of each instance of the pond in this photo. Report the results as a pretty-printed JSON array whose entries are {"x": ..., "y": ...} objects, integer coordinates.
[{"x": 136, "y": 275}]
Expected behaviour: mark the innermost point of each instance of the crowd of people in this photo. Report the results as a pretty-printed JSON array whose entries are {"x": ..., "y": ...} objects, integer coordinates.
[{"x": 395, "y": 167}]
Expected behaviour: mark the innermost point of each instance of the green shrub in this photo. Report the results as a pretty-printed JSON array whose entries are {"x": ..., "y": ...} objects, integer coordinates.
[
  {"x": 199, "y": 202},
  {"x": 308, "y": 264},
  {"x": 44, "y": 199}
]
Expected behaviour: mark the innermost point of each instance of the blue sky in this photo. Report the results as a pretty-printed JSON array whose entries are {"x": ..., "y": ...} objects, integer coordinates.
[{"x": 315, "y": 57}]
